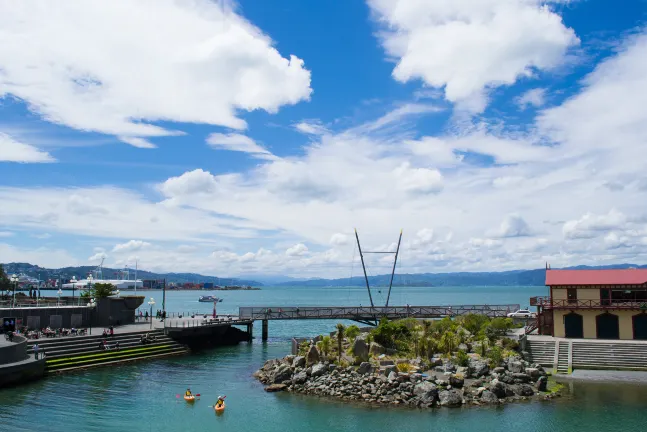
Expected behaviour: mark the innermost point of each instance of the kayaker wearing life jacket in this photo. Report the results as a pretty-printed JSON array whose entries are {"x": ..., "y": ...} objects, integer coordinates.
[
  {"x": 221, "y": 401},
  {"x": 188, "y": 392}
]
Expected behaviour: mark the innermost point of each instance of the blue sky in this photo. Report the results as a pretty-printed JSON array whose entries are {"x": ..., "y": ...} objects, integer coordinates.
[{"x": 252, "y": 137}]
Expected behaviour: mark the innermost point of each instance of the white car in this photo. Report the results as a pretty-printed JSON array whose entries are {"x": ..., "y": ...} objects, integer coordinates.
[{"x": 521, "y": 313}]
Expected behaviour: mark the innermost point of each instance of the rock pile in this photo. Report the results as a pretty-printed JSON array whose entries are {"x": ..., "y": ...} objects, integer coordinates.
[{"x": 444, "y": 385}]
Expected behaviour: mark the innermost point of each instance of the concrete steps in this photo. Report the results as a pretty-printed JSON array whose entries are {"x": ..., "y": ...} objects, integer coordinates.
[
  {"x": 562, "y": 358},
  {"x": 541, "y": 352},
  {"x": 589, "y": 355},
  {"x": 79, "y": 352}
]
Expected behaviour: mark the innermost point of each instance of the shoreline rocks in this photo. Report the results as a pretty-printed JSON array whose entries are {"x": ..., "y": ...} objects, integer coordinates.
[{"x": 446, "y": 385}]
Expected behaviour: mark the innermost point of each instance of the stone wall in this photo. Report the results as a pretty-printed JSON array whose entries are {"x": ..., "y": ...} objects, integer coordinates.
[{"x": 14, "y": 352}]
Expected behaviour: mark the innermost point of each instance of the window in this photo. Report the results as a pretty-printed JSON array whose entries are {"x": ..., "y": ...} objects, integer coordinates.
[{"x": 571, "y": 294}]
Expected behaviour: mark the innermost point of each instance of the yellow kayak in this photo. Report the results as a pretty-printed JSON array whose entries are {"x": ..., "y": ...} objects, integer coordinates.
[
  {"x": 219, "y": 409},
  {"x": 189, "y": 398}
]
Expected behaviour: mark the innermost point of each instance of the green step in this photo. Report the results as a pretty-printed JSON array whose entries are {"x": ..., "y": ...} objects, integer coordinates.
[
  {"x": 115, "y": 359},
  {"x": 117, "y": 362},
  {"x": 113, "y": 355}
]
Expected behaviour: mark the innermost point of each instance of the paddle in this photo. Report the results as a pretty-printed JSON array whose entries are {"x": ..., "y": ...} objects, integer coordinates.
[
  {"x": 179, "y": 396},
  {"x": 223, "y": 398}
]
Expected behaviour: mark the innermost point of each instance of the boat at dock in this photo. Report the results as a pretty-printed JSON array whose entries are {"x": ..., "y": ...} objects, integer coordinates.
[{"x": 209, "y": 299}]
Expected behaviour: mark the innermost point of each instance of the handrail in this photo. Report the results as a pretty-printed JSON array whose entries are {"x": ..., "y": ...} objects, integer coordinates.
[
  {"x": 549, "y": 303},
  {"x": 369, "y": 313}
]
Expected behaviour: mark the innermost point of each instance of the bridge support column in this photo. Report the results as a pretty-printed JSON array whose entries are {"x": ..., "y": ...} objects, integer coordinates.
[
  {"x": 250, "y": 331},
  {"x": 265, "y": 329}
]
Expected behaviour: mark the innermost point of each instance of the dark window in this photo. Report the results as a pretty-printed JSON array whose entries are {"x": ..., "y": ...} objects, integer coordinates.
[{"x": 571, "y": 294}]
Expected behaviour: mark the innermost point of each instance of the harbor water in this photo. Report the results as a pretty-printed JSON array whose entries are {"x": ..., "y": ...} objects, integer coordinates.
[{"x": 144, "y": 396}]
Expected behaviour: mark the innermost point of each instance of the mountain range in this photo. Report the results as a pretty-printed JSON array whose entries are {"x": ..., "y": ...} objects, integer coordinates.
[{"x": 507, "y": 278}]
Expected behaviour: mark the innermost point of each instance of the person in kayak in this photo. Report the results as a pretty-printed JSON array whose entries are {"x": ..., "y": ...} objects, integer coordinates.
[
  {"x": 221, "y": 401},
  {"x": 188, "y": 392}
]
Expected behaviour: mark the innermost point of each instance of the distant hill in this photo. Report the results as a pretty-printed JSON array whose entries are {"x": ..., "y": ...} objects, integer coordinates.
[
  {"x": 507, "y": 278},
  {"x": 110, "y": 273}
]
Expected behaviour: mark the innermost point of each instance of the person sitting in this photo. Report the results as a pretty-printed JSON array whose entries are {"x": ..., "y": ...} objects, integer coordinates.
[
  {"x": 117, "y": 345},
  {"x": 188, "y": 392},
  {"x": 105, "y": 333},
  {"x": 221, "y": 401}
]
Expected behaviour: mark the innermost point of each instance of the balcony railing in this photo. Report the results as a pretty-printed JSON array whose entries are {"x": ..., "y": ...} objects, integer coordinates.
[{"x": 548, "y": 303}]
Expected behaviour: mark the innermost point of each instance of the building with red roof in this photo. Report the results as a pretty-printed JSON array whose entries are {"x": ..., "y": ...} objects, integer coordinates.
[{"x": 595, "y": 304}]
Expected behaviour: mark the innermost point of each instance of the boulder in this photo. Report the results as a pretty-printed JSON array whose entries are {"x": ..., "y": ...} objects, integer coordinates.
[
  {"x": 498, "y": 370},
  {"x": 319, "y": 369},
  {"x": 276, "y": 387},
  {"x": 376, "y": 349},
  {"x": 450, "y": 398},
  {"x": 360, "y": 349},
  {"x": 300, "y": 378},
  {"x": 515, "y": 366},
  {"x": 436, "y": 361},
  {"x": 456, "y": 381},
  {"x": 508, "y": 379},
  {"x": 426, "y": 392},
  {"x": 462, "y": 370},
  {"x": 365, "y": 368},
  {"x": 489, "y": 397},
  {"x": 386, "y": 363},
  {"x": 542, "y": 384},
  {"x": 521, "y": 377},
  {"x": 299, "y": 361},
  {"x": 523, "y": 390},
  {"x": 269, "y": 365},
  {"x": 463, "y": 347},
  {"x": 498, "y": 388},
  {"x": 479, "y": 368},
  {"x": 313, "y": 356},
  {"x": 288, "y": 359},
  {"x": 389, "y": 369},
  {"x": 280, "y": 374},
  {"x": 332, "y": 367},
  {"x": 393, "y": 376},
  {"x": 534, "y": 373},
  {"x": 449, "y": 367}
]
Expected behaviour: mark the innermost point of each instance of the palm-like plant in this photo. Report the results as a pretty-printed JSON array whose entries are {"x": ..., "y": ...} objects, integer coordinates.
[
  {"x": 324, "y": 345},
  {"x": 340, "y": 339},
  {"x": 448, "y": 341}
]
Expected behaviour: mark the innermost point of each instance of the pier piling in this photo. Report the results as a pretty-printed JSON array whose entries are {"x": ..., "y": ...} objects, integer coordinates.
[{"x": 265, "y": 329}]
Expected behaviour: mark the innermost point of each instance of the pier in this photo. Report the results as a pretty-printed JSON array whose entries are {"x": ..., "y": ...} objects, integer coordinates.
[{"x": 369, "y": 315}]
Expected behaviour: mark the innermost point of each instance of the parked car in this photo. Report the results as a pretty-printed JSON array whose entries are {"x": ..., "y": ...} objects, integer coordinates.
[{"x": 521, "y": 313}]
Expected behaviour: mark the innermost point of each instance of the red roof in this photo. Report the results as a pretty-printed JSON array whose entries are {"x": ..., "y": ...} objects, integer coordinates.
[{"x": 596, "y": 277}]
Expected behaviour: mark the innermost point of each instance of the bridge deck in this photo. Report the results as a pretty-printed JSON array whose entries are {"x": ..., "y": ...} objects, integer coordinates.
[{"x": 362, "y": 313}]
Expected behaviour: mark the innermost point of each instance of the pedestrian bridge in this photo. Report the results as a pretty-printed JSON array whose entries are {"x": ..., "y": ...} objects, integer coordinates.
[{"x": 368, "y": 314}]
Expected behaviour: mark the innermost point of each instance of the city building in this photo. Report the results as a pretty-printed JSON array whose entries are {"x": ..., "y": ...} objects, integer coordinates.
[{"x": 594, "y": 304}]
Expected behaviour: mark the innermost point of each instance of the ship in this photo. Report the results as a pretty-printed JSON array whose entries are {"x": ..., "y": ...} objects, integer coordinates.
[{"x": 209, "y": 299}]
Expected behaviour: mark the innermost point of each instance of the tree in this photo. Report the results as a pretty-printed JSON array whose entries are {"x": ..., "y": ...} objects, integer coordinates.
[
  {"x": 324, "y": 345},
  {"x": 5, "y": 283},
  {"x": 99, "y": 290},
  {"x": 352, "y": 331},
  {"x": 340, "y": 339},
  {"x": 448, "y": 341},
  {"x": 498, "y": 327}
]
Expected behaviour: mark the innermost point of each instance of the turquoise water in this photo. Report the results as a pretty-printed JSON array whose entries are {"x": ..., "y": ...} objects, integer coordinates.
[{"x": 143, "y": 396}]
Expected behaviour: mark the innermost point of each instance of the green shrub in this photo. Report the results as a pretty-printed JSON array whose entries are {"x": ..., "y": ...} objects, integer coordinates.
[
  {"x": 495, "y": 354},
  {"x": 462, "y": 359},
  {"x": 498, "y": 327},
  {"x": 393, "y": 335},
  {"x": 510, "y": 344},
  {"x": 405, "y": 367},
  {"x": 352, "y": 331},
  {"x": 474, "y": 322}
]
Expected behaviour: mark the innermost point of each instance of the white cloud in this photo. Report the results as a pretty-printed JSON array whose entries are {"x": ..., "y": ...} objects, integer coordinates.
[
  {"x": 6, "y": 234},
  {"x": 513, "y": 226},
  {"x": 418, "y": 180},
  {"x": 297, "y": 250},
  {"x": 131, "y": 246},
  {"x": 45, "y": 257},
  {"x": 239, "y": 143},
  {"x": 534, "y": 97},
  {"x": 15, "y": 151},
  {"x": 311, "y": 128},
  {"x": 138, "y": 142},
  {"x": 70, "y": 65},
  {"x": 591, "y": 225},
  {"x": 466, "y": 46},
  {"x": 42, "y": 236},
  {"x": 339, "y": 239},
  {"x": 98, "y": 256}
]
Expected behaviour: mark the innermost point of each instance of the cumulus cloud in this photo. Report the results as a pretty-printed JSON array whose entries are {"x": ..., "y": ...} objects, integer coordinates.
[
  {"x": 339, "y": 239},
  {"x": 466, "y": 47},
  {"x": 131, "y": 246},
  {"x": 238, "y": 143},
  {"x": 98, "y": 256},
  {"x": 531, "y": 98},
  {"x": 297, "y": 250},
  {"x": 70, "y": 65},
  {"x": 15, "y": 151},
  {"x": 513, "y": 226},
  {"x": 591, "y": 225}
]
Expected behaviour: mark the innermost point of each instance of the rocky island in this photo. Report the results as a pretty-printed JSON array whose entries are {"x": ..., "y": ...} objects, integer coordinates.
[{"x": 417, "y": 364}]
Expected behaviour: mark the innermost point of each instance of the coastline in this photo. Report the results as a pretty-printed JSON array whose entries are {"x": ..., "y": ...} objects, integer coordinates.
[{"x": 381, "y": 383}]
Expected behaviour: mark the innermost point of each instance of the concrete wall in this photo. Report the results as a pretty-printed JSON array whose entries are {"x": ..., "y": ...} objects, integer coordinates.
[
  {"x": 582, "y": 294},
  {"x": 14, "y": 374},
  {"x": 15, "y": 351},
  {"x": 625, "y": 322}
]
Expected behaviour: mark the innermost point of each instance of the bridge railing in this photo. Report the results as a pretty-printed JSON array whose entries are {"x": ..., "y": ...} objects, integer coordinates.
[{"x": 367, "y": 312}]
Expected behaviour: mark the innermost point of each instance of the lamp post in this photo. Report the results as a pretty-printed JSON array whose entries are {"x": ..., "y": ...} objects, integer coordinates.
[
  {"x": 73, "y": 287},
  {"x": 90, "y": 283},
  {"x": 60, "y": 293},
  {"x": 118, "y": 293},
  {"x": 91, "y": 305},
  {"x": 14, "y": 279},
  {"x": 151, "y": 303}
]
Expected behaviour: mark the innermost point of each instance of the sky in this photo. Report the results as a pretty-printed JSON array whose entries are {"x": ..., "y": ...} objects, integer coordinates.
[{"x": 253, "y": 138}]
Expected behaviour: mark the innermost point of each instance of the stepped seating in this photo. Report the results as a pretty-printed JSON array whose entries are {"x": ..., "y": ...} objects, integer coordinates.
[
  {"x": 611, "y": 355},
  {"x": 84, "y": 351},
  {"x": 541, "y": 352},
  {"x": 562, "y": 358}
]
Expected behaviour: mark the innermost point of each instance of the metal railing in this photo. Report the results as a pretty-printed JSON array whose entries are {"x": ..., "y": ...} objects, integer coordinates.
[
  {"x": 548, "y": 303},
  {"x": 371, "y": 313}
]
